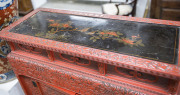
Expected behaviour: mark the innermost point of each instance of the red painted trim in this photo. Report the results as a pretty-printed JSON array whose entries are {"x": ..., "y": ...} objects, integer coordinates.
[
  {"x": 12, "y": 46},
  {"x": 61, "y": 89},
  {"x": 72, "y": 61},
  {"x": 29, "y": 50},
  {"x": 137, "y": 83},
  {"x": 82, "y": 64},
  {"x": 50, "y": 55},
  {"x": 75, "y": 60},
  {"x": 102, "y": 68},
  {"x": 39, "y": 87},
  {"x": 178, "y": 89},
  {"x": 22, "y": 85},
  {"x": 135, "y": 74},
  {"x": 128, "y": 76}
]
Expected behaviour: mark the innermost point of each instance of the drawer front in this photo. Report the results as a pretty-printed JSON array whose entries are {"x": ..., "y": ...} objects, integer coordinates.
[
  {"x": 53, "y": 90},
  {"x": 171, "y": 4},
  {"x": 35, "y": 87},
  {"x": 173, "y": 14},
  {"x": 29, "y": 86}
]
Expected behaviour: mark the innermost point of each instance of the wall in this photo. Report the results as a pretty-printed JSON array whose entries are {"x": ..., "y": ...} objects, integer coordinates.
[{"x": 37, "y": 3}]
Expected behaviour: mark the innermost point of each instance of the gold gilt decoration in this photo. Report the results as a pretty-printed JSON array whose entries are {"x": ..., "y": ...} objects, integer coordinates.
[{"x": 57, "y": 26}]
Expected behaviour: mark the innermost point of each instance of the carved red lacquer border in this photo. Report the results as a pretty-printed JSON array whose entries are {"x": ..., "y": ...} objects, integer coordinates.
[
  {"x": 119, "y": 60},
  {"x": 43, "y": 71}
]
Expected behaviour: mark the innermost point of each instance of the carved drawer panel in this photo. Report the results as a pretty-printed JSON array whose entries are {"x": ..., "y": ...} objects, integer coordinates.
[
  {"x": 80, "y": 82},
  {"x": 34, "y": 87},
  {"x": 89, "y": 64},
  {"x": 29, "y": 49},
  {"x": 84, "y": 81},
  {"x": 49, "y": 90},
  {"x": 29, "y": 85},
  {"x": 164, "y": 84}
]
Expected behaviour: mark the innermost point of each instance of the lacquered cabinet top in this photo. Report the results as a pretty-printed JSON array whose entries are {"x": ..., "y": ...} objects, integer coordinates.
[{"x": 145, "y": 40}]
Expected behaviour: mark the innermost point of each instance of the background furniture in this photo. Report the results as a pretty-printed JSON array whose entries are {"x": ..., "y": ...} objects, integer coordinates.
[
  {"x": 8, "y": 14},
  {"x": 24, "y": 6},
  {"x": 165, "y": 9},
  {"x": 126, "y": 8},
  {"x": 92, "y": 6}
]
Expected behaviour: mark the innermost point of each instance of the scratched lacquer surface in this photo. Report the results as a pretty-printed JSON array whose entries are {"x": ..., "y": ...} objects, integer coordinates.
[{"x": 151, "y": 41}]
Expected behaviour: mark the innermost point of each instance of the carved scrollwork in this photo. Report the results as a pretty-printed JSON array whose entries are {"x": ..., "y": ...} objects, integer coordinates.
[
  {"x": 50, "y": 55},
  {"x": 102, "y": 68},
  {"x": 29, "y": 49},
  {"x": 75, "y": 60},
  {"x": 172, "y": 86},
  {"x": 137, "y": 75}
]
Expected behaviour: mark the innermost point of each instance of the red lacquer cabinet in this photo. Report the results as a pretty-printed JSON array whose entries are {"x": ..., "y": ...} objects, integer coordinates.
[{"x": 56, "y": 52}]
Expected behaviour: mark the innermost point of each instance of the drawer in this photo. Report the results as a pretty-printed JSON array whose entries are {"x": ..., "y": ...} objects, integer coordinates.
[
  {"x": 173, "y": 14},
  {"x": 35, "y": 87},
  {"x": 171, "y": 4}
]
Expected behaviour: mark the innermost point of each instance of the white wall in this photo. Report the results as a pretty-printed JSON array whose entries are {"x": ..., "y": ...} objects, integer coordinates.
[
  {"x": 11, "y": 88},
  {"x": 37, "y": 3},
  {"x": 140, "y": 8}
]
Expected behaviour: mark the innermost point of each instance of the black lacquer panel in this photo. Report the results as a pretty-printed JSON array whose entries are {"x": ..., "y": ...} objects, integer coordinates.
[{"x": 151, "y": 41}]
